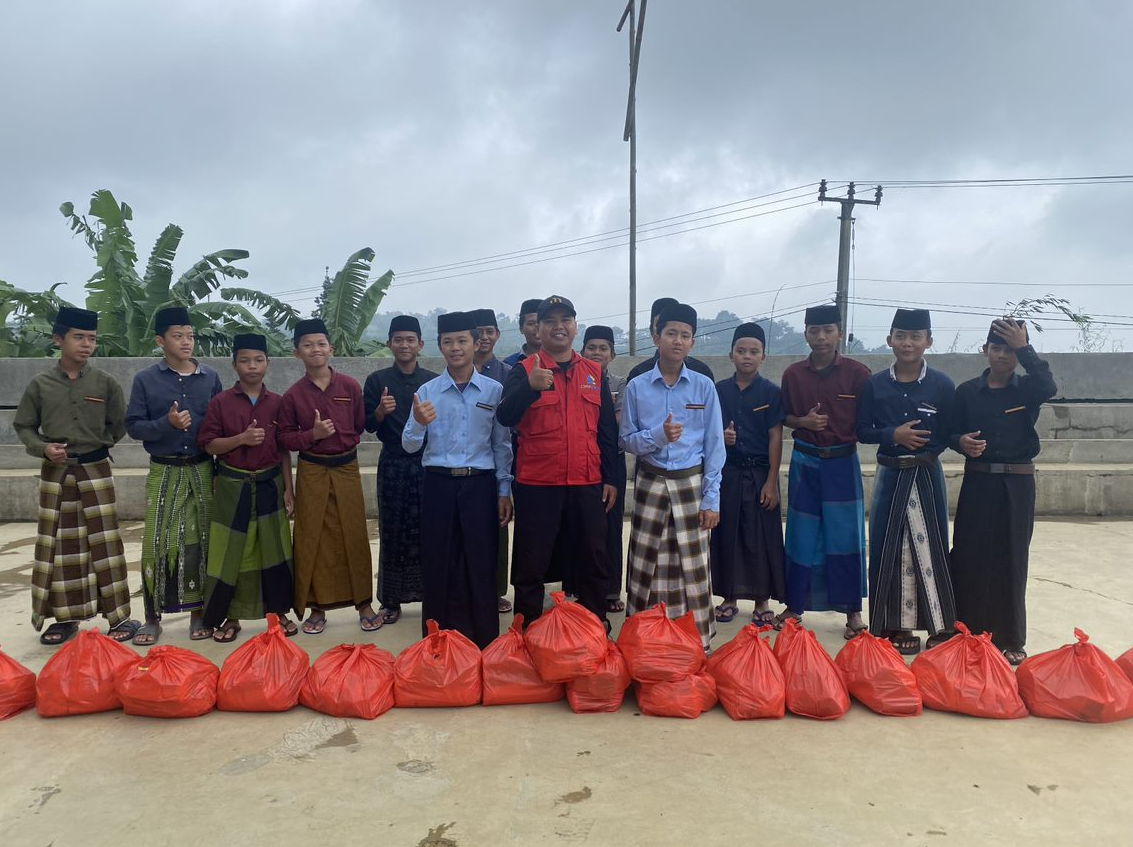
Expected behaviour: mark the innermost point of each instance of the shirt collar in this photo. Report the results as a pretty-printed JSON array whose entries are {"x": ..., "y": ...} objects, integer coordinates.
[
  {"x": 655, "y": 374},
  {"x": 64, "y": 375},
  {"x": 546, "y": 361},
  {"x": 239, "y": 389},
  {"x": 835, "y": 362},
  {"x": 924, "y": 371},
  {"x": 447, "y": 380},
  {"x": 1013, "y": 382},
  {"x": 164, "y": 365}
]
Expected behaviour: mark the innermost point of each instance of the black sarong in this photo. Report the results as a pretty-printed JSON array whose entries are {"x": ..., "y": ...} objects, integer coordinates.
[
  {"x": 747, "y": 544},
  {"x": 399, "y": 529}
]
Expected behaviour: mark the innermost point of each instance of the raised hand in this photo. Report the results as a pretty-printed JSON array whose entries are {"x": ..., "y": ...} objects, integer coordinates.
[
  {"x": 1014, "y": 334},
  {"x": 730, "y": 434},
  {"x": 815, "y": 420},
  {"x": 971, "y": 445},
  {"x": 252, "y": 436},
  {"x": 540, "y": 379},
  {"x": 323, "y": 428},
  {"x": 179, "y": 419},
  {"x": 909, "y": 438},
  {"x": 423, "y": 413},
  {"x": 673, "y": 431},
  {"x": 385, "y": 406}
]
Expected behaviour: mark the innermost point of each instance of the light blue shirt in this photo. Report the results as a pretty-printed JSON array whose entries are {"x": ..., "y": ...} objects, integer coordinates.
[
  {"x": 694, "y": 404},
  {"x": 466, "y": 433}
]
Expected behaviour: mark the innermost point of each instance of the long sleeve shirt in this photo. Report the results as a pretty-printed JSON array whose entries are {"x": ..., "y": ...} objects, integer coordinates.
[
  {"x": 886, "y": 404},
  {"x": 401, "y": 387},
  {"x": 87, "y": 413},
  {"x": 693, "y": 403},
  {"x": 465, "y": 433},
  {"x": 154, "y": 391},
  {"x": 754, "y": 411},
  {"x": 341, "y": 402},
  {"x": 230, "y": 413},
  {"x": 691, "y": 363},
  {"x": 495, "y": 369},
  {"x": 834, "y": 389},
  {"x": 1005, "y": 417}
]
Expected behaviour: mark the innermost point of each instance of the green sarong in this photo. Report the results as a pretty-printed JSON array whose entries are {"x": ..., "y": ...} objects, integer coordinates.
[{"x": 175, "y": 541}]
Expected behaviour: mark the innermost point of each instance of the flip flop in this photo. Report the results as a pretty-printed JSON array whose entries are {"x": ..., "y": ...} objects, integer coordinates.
[
  {"x": 289, "y": 628},
  {"x": 938, "y": 639},
  {"x": 57, "y": 633},
  {"x": 906, "y": 645},
  {"x": 198, "y": 631},
  {"x": 615, "y": 606},
  {"x": 725, "y": 612},
  {"x": 314, "y": 627},
  {"x": 1014, "y": 657},
  {"x": 783, "y": 617},
  {"x": 503, "y": 606},
  {"x": 764, "y": 618},
  {"x": 853, "y": 632},
  {"x": 149, "y": 630},
  {"x": 125, "y": 631},
  {"x": 227, "y": 633},
  {"x": 370, "y": 624},
  {"x": 389, "y": 615}
]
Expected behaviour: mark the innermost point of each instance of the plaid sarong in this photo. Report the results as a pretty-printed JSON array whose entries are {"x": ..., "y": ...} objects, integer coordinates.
[
  {"x": 80, "y": 566},
  {"x": 175, "y": 540},
  {"x": 249, "y": 557},
  {"x": 668, "y": 551}
]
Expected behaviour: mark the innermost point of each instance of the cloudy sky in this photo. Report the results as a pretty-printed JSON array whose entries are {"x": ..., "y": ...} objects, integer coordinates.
[{"x": 439, "y": 133}]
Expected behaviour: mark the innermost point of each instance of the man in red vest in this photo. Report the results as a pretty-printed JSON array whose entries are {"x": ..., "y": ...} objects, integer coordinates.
[{"x": 563, "y": 415}]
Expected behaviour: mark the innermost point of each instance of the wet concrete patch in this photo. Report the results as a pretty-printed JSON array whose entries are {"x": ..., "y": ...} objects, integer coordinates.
[
  {"x": 577, "y": 796},
  {"x": 416, "y": 766},
  {"x": 436, "y": 836}
]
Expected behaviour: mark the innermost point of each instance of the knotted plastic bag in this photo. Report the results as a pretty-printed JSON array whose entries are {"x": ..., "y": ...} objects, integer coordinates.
[
  {"x": 603, "y": 690},
  {"x": 791, "y": 627},
  {"x": 749, "y": 682},
  {"x": 350, "y": 681},
  {"x": 1125, "y": 662},
  {"x": 1077, "y": 682},
  {"x": 686, "y": 697},
  {"x": 442, "y": 669},
  {"x": 659, "y": 649},
  {"x": 264, "y": 674},
  {"x": 510, "y": 677},
  {"x": 813, "y": 685},
  {"x": 17, "y": 687},
  {"x": 969, "y": 675},
  {"x": 168, "y": 682},
  {"x": 877, "y": 676},
  {"x": 567, "y": 641},
  {"x": 79, "y": 678}
]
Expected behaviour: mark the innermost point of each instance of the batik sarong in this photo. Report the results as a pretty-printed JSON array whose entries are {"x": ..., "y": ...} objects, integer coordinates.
[{"x": 175, "y": 540}]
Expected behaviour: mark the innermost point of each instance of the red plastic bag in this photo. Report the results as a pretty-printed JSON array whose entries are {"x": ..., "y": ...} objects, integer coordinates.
[
  {"x": 510, "y": 677},
  {"x": 17, "y": 687},
  {"x": 968, "y": 674},
  {"x": 442, "y": 669},
  {"x": 813, "y": 684},
  {"x": 168, "y": 682},
  {"x": 350, "y": 681},
  {"x": 566, "y": 642},
  {"x": 1077, "y": 682},
  {"x": 749, "y": 682},
  {"x": 659, "y": 649},
  {"x": 264, "y": 674},
  {"x": 686, "y": 697},
  {"x": 791, "y": 628},
  {"x": 878, "y": 677},
  {"x": 1125, "y": 662},
  {"x": 79, "y": 678},
  {"x": 603, "y": 690}
]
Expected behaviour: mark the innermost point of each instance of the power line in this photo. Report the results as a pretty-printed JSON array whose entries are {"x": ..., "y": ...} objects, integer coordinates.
[
  {"x": 995, "y": 282},
  {"x": 1104, "y": 179}
]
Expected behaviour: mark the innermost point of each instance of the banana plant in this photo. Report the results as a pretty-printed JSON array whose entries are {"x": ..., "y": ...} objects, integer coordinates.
[{"x": 349, "y": 303}]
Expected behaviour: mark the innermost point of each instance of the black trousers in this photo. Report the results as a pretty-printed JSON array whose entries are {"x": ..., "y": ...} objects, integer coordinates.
[
  {"x": 574, "y": 517},
  {"x": 459, "y": 542}
]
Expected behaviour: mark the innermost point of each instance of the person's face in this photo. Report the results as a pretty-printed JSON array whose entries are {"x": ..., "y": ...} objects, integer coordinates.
[
  {"x": 177, "y": 343},
  {"x": 674, "y": 341},
  {"x": 1001, "y": 359},
  {"x": 486, "y": 338},
  {"x": 529, "y": 326},
  {"x": 456, "y": 347},
  {"x": 909, "y": 345},
  {"x": 405, "y": 346},
  {"x": 823, "y": 339},
  {"x": 78, "y": 345},
  {"x": 557, "y": 331},
  {"x": 314, "y": 350},
  {"x": 747, "y": 355},
  {"x": 251, "y": 366},
  {"x": 599, "y": 350}
]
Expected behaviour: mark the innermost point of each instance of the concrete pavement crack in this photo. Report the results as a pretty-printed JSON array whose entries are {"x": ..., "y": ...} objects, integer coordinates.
[{"x": 1076, "y": 588}]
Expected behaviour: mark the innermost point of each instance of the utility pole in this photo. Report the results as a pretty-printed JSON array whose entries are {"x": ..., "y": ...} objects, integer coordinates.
[
  {"x": 846, "y": 220},
  {"x": 636, "y": 27}
]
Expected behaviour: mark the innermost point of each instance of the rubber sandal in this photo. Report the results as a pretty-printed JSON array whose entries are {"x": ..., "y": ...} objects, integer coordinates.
[
  {"x": 503, "y": 606},
  {"x": 764, "y": 618},
  {"x": 938, "y": 639},
  {"x": 370, "y": 624},
  {"x": 57, "y": 633},
  {"x": 725, "y": 612},
  {"x": 198, "y": 631},
  {"x": 314, "y": 627},
  {"x": 1014, "y": 657},
  {"x": 149, "y": 630},
  {"x": 853, "y": 632},
  {"x": 783, "y": 617},
  {"x": 289, "y": 628},
  {"x": 906, "y": 645},
  {"x": 125, "y": 631},
  {"x": 226, "y": 634},
  {"x": 615, "y": 606},
  {"x": 389, "y": 615}
]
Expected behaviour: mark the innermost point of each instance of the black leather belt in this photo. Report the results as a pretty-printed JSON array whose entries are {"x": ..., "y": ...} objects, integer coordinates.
[
  {"x": 181, "y": 461},
  {"x": 743, "y": 464},
  {"x": 455, "y": 471},
  {"x": 683, "y": 473},
  {"x": 336, "y": 460},
  {"x": 86, "y": 458},
  {"x": 1020, "y": 468},
  {"x": 825, "y": 452},
  {"x": 905, "y": 462},
  {"x": 249, "y": 477}
]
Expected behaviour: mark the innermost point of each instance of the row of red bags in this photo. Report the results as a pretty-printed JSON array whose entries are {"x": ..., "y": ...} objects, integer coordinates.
[{"x": 566, "y": 653}]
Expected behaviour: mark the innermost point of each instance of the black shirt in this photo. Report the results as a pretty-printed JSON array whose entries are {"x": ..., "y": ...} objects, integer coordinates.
[
  {"x": 1005, "y": 417},
  {"x": 754, "y": 411},
  {"x": 401, "y": 388},
  {"x": 690, "y": 363}
]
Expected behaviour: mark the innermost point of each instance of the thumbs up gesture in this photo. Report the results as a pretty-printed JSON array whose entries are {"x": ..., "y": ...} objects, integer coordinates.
[
  {"x": 423, "y": 413},
  {"x": 540, "y": 379},
  {"x": 673, "y": 431},
  {"x": 385, "y": 406},
  {"x": 730, "y": 434},
  {"x": 179, "y": 419},
  {"x": 815, "y": 420},
  {"x": 323, "y": 427},
  {"x": 253, "y": 435}
]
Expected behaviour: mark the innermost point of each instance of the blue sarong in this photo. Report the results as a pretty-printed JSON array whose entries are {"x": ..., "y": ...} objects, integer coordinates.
[{"x": 825, "y": 539}]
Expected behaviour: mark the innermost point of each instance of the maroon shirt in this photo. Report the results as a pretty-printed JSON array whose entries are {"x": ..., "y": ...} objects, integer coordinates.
[
  {"x": 836, "y": 388},
  {"x": 341, "y": 402},
  {"x": 230, "y": 412}
]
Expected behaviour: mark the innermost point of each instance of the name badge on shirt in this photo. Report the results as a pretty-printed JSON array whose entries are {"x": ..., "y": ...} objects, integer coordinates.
[
  {"x": 927, "y": 409},
  {"x": 847, "y": 396},
  {"x": 342, "y": 399},
  {"x": 1014, "y": 410},
  {"x": 696, "y": 407},
  {"x": 761, "y": 408},
  {"x": 485, "y": 407},
  {"x": 95, "y": 399}
]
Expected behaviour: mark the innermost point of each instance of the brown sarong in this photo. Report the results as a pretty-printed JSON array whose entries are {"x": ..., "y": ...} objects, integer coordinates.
[{"x": 333, "y": 567}]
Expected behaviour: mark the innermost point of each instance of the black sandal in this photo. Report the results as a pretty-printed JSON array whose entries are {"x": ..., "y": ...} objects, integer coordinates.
[
  {"x": 938, "y": 639},
  {"x": 1014, "y": 657},
  {"x": 125, "y": 631},
  {"x": 906, "y": 645},
  {"x": 57, "y": 633}
]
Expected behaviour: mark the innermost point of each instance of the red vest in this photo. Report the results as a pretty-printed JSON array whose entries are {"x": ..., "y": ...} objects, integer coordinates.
[{"x": 558, "y": 434}]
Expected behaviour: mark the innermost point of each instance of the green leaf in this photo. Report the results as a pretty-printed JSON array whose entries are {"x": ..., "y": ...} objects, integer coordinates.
[{"x": 340, "y": 305}]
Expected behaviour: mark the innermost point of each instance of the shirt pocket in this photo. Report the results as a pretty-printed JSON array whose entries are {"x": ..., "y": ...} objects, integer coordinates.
[
  {"x": 591, "y": 408},
  {"x": 546, "y": 414},
  {"x": 92, "y": 412}
]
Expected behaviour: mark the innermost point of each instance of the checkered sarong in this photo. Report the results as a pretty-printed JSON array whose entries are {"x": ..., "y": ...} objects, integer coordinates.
[
  {"x": 668, "y": 551},
  {"x": 80, "y": 566}
]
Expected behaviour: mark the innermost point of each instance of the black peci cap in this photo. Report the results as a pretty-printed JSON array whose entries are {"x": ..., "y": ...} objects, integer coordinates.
[
  {"x": 659, "y": 305},
  {"x": 822, "y": 315},
  {"x": 912, "y": 319},
  {"x": 529, "y": 307},
  {"x": 311, "y": 326},
  {"x": 74, "y": 318},
  {"x": 248, "y": 341},
  {"x": 678, "y": 312},
  {"x": 171, "y": 316},
  {"x": 484, "y": 317},
  {"x": 994, "y": 337},
  {"x": 749, "y": 330},
  {"x": 404, "y": 323},
  {"x": 598, "y": 333},
  {"x": 456, "y": 322}
]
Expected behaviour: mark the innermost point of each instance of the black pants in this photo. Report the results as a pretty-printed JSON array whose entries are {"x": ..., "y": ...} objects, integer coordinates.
[
  {"x": 459, "y": 541},
  {"x": 572, "y": 515}
]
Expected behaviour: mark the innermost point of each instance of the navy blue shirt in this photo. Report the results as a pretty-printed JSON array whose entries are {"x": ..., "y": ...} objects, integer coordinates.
[
  {"x": 754, "y": 410},
  {"x": 495, "y": 369},
  {"x": 153, "y": 393},
  {"x": 886, "y": 404}
]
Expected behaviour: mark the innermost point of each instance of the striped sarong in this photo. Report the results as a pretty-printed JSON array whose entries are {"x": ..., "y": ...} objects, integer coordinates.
[
  {"x": 910, "y": 582},
  {"x": 175, "y": 540},
  {"x": 249, "y": 569},
  {"x": 825, "y": 541},
  {"x": 668, "y": 551},
  {"x": 80, "y": 566}
]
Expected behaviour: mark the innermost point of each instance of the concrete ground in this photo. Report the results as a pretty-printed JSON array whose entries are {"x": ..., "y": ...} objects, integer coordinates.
[{"x": 531, "y": 775}]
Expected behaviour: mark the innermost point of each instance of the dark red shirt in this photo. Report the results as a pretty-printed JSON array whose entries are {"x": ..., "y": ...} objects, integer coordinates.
[
  {"x": 230, "y": 413},
  {"x": 341, "y": 402},
  {"x": 836, "y": 388}
]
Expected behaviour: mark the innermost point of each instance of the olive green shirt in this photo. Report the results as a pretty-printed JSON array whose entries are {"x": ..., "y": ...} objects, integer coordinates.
[{"x": 88, "y": 412}]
